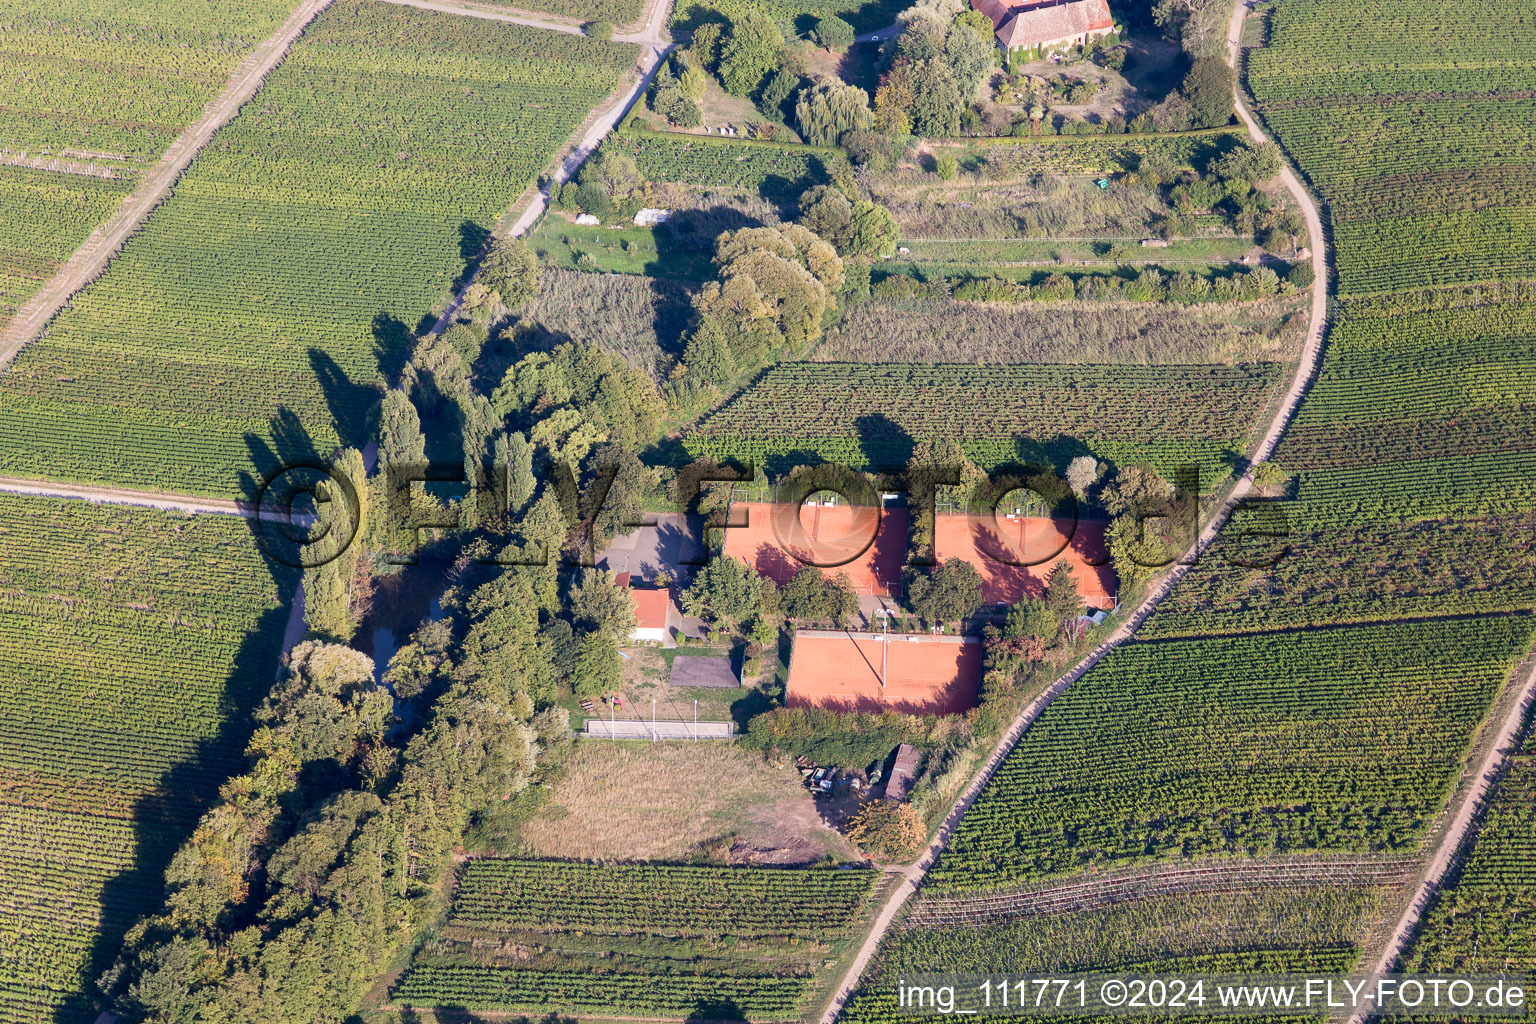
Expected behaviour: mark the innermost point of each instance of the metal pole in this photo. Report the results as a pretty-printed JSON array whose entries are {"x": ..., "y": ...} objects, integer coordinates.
[
  {"x": 885, "y": 645},
  {"x": 613, "y": 721}
]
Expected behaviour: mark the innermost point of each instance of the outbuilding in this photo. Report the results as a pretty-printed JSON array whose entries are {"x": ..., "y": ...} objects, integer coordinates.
[{"x": 1027, "y": 30}]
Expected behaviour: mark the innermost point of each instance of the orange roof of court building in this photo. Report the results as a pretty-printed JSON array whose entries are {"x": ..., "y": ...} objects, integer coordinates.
[
  {"x": 1015, "y": 554},
  {"x": 869, "y": 543},
  {"x": 924, "y": 674}
]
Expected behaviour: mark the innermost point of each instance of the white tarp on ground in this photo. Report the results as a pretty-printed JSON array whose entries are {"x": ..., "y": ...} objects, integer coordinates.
[
  {"x": 650, "y": 216},
  {"x": 587, "y": 219},
  {"x": 631, "y": 729}
]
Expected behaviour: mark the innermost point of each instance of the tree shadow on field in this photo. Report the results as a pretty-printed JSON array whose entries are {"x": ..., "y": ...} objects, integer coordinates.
[
  {"x": 886, "y": 444},
  {"x": 392, "y": 343},
  {"x": 709, "y": 1011},
  {"x": 1054, "y": 454},
  {"x": 349, "y": 403},
  {"x": 164, "y": 818},
  {"x": 473, "y": 241}
]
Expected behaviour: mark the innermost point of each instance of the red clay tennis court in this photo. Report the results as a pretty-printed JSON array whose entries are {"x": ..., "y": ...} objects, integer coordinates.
[
  {"x": 867, "y": 543},
  {"x": 990, "y": 543},
  {"x": 924, "y": 675}
]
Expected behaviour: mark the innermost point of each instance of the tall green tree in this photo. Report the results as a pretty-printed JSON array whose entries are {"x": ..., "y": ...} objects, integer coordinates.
[
  {"x": 950, "y": 592},
  {"x": 599, "y": 605},
  {"x": 597, "y": 665},
  {"x": 833, "y": 32},
  {"x": 936, "y": 100},
  {"x": 726, "y": 591},
  {"x": 750, "y": 51},
  {"x": 511, "y": 270},
  {"x": 970, "y": 55},
  {"x": 831, "y": 109},
  {"x": 1061, "y": 596},
  {"x": 335, "y": 555}
]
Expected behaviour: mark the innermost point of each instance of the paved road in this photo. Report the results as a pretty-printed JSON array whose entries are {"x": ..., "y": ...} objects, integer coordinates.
[
  {"x": 92, "y": 257},
  {"x": 1306, "y": 368}
]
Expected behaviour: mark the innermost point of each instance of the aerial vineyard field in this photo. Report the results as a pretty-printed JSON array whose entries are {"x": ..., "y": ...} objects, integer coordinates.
[
  {"x": 131, "y": 645},
  {"x": 773, "y": 170},
  {"x": 863, "y": 16},
  {"x": 620, "y": 12},
  {"x": 1342, "y": 739},
  {"x": 1152, "y": 333},
  {"x": 253, "y": 317},
  {"x": 1484, "y": 921},
  {"x": 1397, "y": 47},
  {"x": 1257, "y": 929},
  {"x": 44, "y": 216},
  {"x": 670, "y": 941},
  {"x": 677, "y": 899},
  {"x": 872, "y": 414},
  {"x": 115, "y": 81},
  {"x": 1419, "y": 135},
  {"x": 1414, "y": 453}
]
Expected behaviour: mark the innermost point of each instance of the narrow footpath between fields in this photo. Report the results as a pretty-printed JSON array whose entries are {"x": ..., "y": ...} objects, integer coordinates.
[{"x": 1305, "y": 370}]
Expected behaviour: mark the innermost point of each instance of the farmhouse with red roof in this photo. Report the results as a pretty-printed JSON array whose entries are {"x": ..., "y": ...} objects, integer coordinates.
[{"x": 1027, "y": 29}]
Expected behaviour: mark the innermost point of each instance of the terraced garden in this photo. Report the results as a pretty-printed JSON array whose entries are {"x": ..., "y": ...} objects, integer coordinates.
[
  {"x": 253, "y": 317},
  {"x": 775, "y": 170},
  {"x": 131, "y": 645},
  {"x": 668, "y": 941},
  {"x": 620, "y": 12},
  {"x": 871, "y": 414},
  {"x": 863, "y": 16},
  {"x": 944, "y": 330}
]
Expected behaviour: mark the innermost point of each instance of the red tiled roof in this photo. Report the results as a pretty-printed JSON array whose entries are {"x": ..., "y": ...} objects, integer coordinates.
[
  {"x": 997, "y": 10},
  {"x": 1047, "y": 20},
  {"x": 652, "y": 608}
]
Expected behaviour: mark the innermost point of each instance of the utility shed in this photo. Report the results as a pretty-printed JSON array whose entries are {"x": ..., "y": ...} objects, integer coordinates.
[{"x": 902, "y": 773}]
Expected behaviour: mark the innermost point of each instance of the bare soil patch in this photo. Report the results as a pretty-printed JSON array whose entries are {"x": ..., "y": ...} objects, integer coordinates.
[{"x": 670, "y": 801}]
